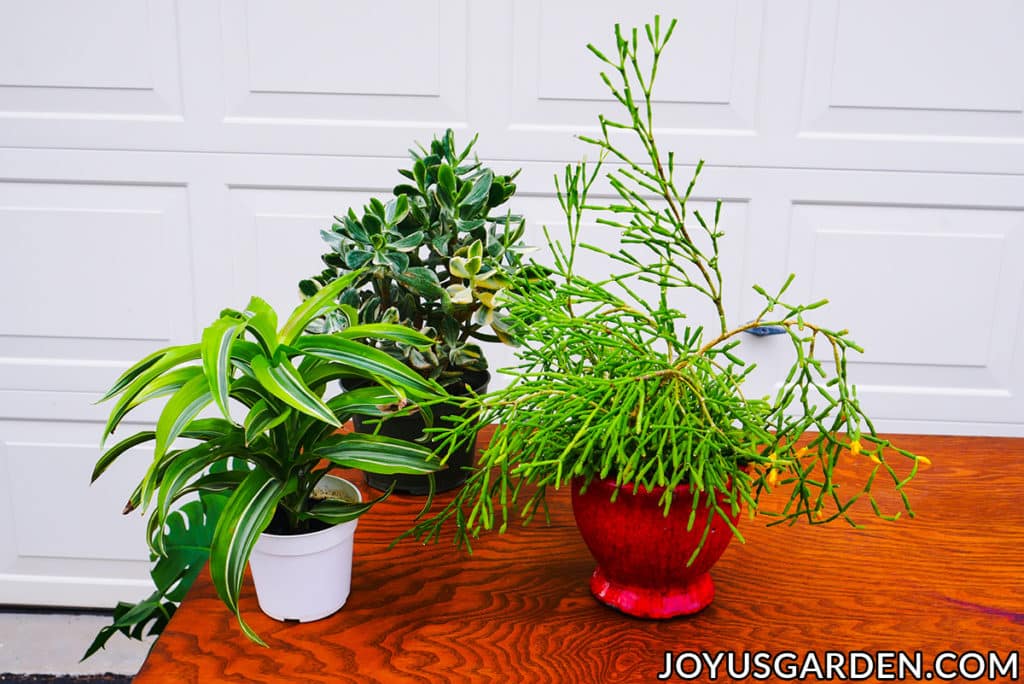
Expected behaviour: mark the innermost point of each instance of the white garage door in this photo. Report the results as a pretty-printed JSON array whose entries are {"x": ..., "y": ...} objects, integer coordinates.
[{"x": 160, "y": 160}]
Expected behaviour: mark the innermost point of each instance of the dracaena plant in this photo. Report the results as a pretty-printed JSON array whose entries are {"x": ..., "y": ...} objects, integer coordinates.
[
  {"x": 616, "y": 381},
  {"x": 437, "y": 256},
  {"x": 285, "y": 436}
]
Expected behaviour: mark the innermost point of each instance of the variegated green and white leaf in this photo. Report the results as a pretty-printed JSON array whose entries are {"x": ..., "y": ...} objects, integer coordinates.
[
  {"x": 218, "y": 340},
  {"x": 263, "y": 417},
  {"x": 246, "y": 515},
  {"x": 376, "y": 454},
  {"x": 285, "y": 383}
]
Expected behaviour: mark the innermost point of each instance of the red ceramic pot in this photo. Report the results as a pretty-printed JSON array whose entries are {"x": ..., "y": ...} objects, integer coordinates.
[{"x": 641, "y": 554}]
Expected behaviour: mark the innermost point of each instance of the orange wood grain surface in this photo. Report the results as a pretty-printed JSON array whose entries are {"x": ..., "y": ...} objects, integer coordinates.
[{"x": 518, "y": 609}]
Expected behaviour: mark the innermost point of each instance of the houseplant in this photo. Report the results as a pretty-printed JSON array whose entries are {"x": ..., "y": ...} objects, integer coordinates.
[
  {"x": 623, "y": 397},
  {"x": 278, "y": 488},
  {"x": 436, "y": 257}
]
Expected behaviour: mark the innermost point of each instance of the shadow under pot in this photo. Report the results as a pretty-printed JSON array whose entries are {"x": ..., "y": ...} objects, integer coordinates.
[{"x": 411, "y": 428}]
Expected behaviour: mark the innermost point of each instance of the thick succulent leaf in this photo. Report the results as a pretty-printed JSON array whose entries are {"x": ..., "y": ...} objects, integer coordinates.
[
  {"x": 421, "y": 281},
  {"x": 179, "y": 411},
  {"x": 113, "y": 452},
  {"x": 337, "y": 512},
  {"x": 376, "y": 454},
  {"x": 217, "y": 342},
  {"x": 285, "y": 383},
  {"x": 263, "y": 417},
  {"x": 481, "y": 189},
  {"x": 368, "y": 362},
  {"x": 387, "y": 331},
  {"x": 409, "y": 242},
  {"x": 172, "y": 357},
  {"x": 246, "y": 515},
  {"x": 314, "y": 307}
]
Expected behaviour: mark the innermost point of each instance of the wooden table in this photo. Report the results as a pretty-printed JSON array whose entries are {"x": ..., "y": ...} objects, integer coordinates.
[{"x": 518, "y": 609}]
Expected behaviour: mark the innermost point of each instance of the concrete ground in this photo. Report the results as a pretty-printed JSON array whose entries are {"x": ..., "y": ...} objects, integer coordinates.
[{"x": 53, "y": 643}]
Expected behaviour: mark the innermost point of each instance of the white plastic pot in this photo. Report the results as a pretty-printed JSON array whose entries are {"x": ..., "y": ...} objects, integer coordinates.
[{"x": 306, "y": 577}]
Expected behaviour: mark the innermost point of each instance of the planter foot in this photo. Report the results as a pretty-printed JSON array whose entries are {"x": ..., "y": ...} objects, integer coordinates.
[{"x": 646, "y": 602}]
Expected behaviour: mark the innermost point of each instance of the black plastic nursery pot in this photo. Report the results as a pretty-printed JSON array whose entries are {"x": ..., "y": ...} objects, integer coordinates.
[{"x": 411, "y": 428}]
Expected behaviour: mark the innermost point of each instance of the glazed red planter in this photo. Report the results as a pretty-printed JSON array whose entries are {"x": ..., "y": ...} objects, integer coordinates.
[{"x": 641, "y": 554}]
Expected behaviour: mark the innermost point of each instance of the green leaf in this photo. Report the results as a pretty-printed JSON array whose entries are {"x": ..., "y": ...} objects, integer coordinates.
[
  {"x": 357, "y": 258},
  {"x": 376, "y": 454},
  {"x": 171, "y": 357},
  {"x": 398, "y": 261},
  {"x": 314, "y": 307},
  {"x": 336, "y": 512},
  {"x": 409, "y": 242},
  {"x": 459, "y": 267},
  {"x": 185, "y": 466},
  {"x": 133, "y": 372},
  {"x": 481, "y": 188},
  {"x": 218, "y": 339},
  {"x": 422, "y": 281},
  {"x": 246, "y": 515},
  {"x": 370, "y": 363},
  {"x": 168, "y": 383},
  {"x": 262, "y": 418},
  {"x": 387, "y": 331},
  {"x": 446, "y": 178},
  {"x": 262, "y": 322},
  {"x": 124, "y": 445},
  {"x": 396, "y": 210},
  {"x": 185, "y": 405},
  {"x": 285, "y": 383},
  {"x": 227, "y": 481}
]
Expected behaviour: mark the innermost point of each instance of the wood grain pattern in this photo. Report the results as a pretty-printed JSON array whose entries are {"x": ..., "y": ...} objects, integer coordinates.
[{"x": 519, "y": 610}]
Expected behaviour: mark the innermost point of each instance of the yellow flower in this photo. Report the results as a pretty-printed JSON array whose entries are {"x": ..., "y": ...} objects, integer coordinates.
[
  {"x": 802, "y": 452},
  {"x": 855, "y": 447},
  {"x": 875, "y": 459},
  {"x": 773, "y": 477},
  {"x": 924, "y": 459},
  {"x": 819, "y": 513}
]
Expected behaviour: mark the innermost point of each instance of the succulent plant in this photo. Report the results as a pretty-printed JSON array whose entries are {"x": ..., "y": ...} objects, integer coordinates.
[{"x": 437, "y": 258}]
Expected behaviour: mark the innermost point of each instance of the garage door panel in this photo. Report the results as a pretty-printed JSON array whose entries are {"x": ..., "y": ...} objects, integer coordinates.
[{"x": 883, "y": 68}]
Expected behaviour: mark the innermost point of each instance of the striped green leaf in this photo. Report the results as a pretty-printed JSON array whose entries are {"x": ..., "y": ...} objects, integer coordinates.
[
  {"x": 226, "y": 481},
  {"x": 168, "y": 383},
  {"x": 261, "y": 321},
  {"x": 337, "y": 512},
  {"x": 185, "y": 405},
  {"x": 387, "y": 331},
  {"x": 171, "y": 357},
  {"x": 263, "y": 417},
  {"x": 113, "y": 452},
  {"x": 319, "y": 304},
  {"x": 368, "y": 362},
  {"x": 135, "y": 371},
  {"x": 217, "y": 341},
  {"x": 376, "y": 454},
  {"x": 285, "y": 383},
  {"x": 186, "y": 466},
  {"x": 364, "y": 401},
  {"x": 246, "y": 515}
]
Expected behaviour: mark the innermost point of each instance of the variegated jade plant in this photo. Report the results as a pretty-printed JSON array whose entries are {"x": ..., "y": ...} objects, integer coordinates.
[
  {"x": 288, "y": 438},
  {"x": 436, "y": 257}
]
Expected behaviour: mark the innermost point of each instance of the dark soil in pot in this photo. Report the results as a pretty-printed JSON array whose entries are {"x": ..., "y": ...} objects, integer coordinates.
[{"x": 411, "y": 428}]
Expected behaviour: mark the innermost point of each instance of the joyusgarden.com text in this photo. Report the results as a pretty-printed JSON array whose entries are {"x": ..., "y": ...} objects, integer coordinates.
[{"x": 841, "y": 666}]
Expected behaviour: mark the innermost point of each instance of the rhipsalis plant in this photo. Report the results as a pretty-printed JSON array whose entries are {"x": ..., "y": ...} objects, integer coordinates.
[
  {"x": 436, "y": 257},
  {"x": 616, "y": 382}
]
